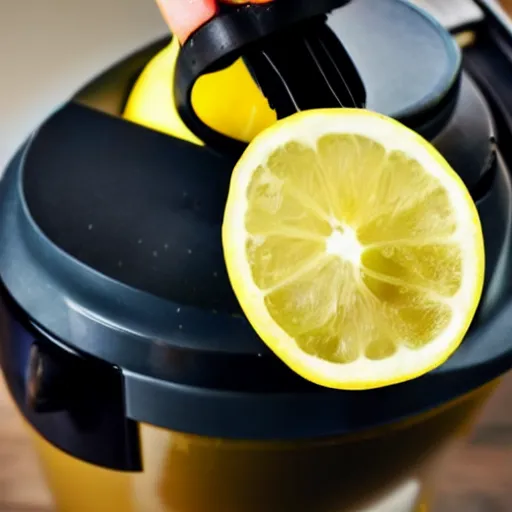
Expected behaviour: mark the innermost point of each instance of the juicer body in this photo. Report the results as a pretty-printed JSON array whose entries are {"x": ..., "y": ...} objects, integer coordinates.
[
  {"x": 125, "y": 350},
  {"x": 95, "y": 459}
]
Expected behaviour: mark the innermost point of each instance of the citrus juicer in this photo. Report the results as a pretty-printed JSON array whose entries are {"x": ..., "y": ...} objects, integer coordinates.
[{"x": 141, "y": 382}]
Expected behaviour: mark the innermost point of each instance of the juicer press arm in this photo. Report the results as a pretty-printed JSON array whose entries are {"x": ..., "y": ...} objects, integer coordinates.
[{"x": 294, "y": 57}]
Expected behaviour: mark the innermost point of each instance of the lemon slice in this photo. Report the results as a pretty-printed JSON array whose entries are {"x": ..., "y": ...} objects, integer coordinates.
[{"x": 354, "y": 249}]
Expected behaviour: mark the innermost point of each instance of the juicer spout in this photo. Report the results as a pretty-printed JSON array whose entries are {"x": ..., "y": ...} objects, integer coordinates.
[{"x": 290, "y": 51}]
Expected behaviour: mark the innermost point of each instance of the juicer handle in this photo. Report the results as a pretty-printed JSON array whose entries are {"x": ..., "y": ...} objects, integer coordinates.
[{"x": 292, "y": 54}]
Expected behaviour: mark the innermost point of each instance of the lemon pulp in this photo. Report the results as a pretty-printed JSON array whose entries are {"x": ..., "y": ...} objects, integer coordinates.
[{"x": 354, "y": 249}]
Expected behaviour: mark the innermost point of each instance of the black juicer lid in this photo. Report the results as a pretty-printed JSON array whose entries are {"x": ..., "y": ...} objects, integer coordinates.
[
  {"x": 110, "y": 241},
  {"x": 409, "y": 63}
]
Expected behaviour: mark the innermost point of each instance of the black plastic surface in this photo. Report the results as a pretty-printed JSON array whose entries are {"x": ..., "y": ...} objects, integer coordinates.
[
  {"x": 304, "y": 68},
  {"x": 140, "y": 207},
  {"x": 468, "y": 140},
  {"x": 408, "y": 62},
  {"x": 76, "y": 403}
]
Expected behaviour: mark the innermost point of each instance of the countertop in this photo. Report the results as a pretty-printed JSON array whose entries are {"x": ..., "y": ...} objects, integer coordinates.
[{"x": 478, "y": 478}]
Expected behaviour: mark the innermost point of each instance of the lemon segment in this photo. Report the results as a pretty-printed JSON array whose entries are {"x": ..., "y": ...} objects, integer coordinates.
[{"x": 354, "y": 249}]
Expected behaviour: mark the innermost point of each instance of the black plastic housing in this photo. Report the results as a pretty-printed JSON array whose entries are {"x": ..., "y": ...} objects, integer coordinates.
[{"x": 74, "y": 401}]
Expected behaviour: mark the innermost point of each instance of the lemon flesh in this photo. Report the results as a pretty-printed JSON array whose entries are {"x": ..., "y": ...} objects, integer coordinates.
[{"x": 354, "y": 249}]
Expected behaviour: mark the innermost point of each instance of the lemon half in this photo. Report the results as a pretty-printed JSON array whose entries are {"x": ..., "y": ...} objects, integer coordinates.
[{"x": 354, "y": 249}]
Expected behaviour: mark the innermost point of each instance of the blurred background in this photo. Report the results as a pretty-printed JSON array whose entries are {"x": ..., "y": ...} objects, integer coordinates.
[{"x": 49, "y": 48}]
